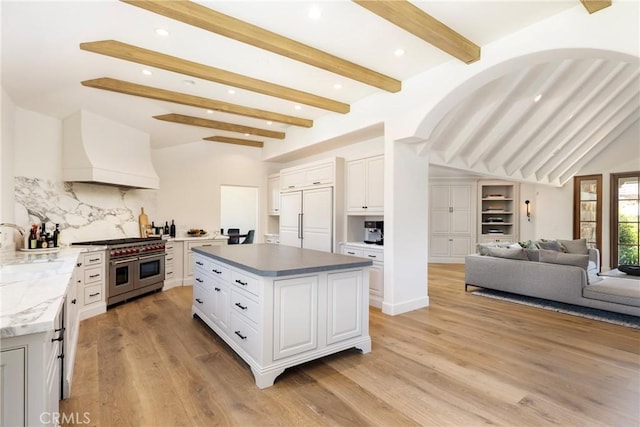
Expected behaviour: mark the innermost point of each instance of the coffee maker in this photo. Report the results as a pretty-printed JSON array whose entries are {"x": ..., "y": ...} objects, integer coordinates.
[{"x": 373, "y": 232}]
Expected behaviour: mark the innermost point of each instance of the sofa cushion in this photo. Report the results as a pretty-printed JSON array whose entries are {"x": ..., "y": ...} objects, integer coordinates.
[
  {"x": 552, "y": 245},
  {"x": 529, "y": 244},
  {"x": 615, "y": 289},
  {"x": 533, "y": 254},
  {"x": 578, "y": 246},
  {"x": 483, "y": 248},
  {"x": 554, "y": 257},
  {"x": 509, "y": 253}
]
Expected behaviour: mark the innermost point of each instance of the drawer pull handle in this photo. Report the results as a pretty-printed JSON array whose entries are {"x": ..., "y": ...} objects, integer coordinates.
[
  {"x": 371, "y": 256},
  {"x": 58, "y": 330},
  {"x": 241, "y": 282},
  {"x": 208, "y": 245},
  {"x": 216, "y": 289},
  {"x": 79, "y": 264},
  {"x": 169, "y": 259},
  {"x": 199, "y": 280},
  {"x": 216, "y": 271},
  {"x": 292, "y": 186},
  {"x": 199, "y": 300},
  {"x": 94, "y": 259},
  {"x": 199, "y": 263},
  {"x": 93, "y": 276},
  {"x": 94, "y": 295},
  {"x": 61, "y": 356},
  {"x": 351, "y": 253},
  {"x": 57, "y": 339},
  {"x": 317, "y": 182},
  {"x": 242, "y": 307},
  {"x": 242, "y": 337}
]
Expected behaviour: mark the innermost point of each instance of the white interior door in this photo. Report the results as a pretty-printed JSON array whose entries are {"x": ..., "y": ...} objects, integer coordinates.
[
  {"x": 317, "y": 221},
  {"x": 290, "y": 211}
]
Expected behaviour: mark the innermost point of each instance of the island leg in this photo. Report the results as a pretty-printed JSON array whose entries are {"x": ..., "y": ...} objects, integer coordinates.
[
  {"x": 364, "y": 346},
  {"x": 266, "y": 379}
]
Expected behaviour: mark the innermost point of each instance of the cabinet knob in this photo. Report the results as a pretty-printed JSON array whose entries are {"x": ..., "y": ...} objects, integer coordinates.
[{"x": 73, "y": 301}]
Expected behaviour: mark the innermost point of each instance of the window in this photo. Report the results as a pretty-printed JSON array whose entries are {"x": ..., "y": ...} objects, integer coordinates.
[
  {"x": 625, "y": 218},
  {"x": 587, "y": 209}
]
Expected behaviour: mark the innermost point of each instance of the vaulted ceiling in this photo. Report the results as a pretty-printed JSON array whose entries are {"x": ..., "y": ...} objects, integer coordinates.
[{"x": 244, "y": 72}]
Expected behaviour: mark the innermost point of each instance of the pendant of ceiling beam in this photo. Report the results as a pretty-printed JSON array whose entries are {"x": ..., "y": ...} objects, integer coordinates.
[
  {"x": 219, "y": 23},
  {"x": 213, "y": 124},
  {"x": 417, "y": 22},
  {"x": 237, "y": 141},
  {"x": 595, "y": 5},
  {"x": 129, "y": 88},
  {"x": 151, "y": 58}
]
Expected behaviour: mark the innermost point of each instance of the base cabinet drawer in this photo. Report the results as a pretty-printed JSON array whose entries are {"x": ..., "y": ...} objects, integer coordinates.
[
  {"x": 248, "y": 283},
  {"x": 245, "y": 306},
  {"x": 244, "y": 334},
  {"x": 93, "y": 294}
]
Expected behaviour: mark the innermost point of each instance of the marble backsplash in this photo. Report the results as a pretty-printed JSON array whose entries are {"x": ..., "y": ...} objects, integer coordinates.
[{"x": 85, "y": 211}]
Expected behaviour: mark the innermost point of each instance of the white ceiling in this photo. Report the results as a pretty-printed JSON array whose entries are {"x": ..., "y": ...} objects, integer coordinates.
[{"x": 42, "y": 67}]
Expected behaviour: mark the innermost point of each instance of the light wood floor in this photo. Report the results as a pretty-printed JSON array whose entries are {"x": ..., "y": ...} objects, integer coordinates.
[{"x": 464, "y": 361}]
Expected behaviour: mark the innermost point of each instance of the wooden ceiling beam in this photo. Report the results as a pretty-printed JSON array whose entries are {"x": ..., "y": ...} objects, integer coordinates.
[
  {"x": 417, "y": 22},
  {"x": 593, "y": 6},
  {"x": 155, "y": 59},
  {"x": 219, "y": 23},
  {"x": 237, "y": 141},
  {"x": 213, "y": 124},
  {"x": 135, "y": 89}
]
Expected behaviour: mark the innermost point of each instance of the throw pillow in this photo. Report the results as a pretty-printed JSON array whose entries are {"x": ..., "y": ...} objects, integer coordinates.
[
  {"x": 555, "y": 257},
  {"x": 631, "y": 269},
  {"x": 483, "y": 248},
  {"x": 509, "y": 253},
  {"x": 550, "y": 246},
  {"x": 528, "y": 244},
  {"x": 575, "y": 246}
]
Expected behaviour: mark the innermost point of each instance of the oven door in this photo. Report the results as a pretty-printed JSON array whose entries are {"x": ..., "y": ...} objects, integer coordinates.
[
  {"x": 150, "y": 270},
  {"x": 122, "y": 276}
]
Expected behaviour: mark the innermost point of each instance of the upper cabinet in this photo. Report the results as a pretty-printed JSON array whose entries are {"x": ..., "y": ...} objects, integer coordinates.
[
  {"x": 273, "y": 194},
  {"x": 314, "y": 174},
  {"x": 365, "y": 186},
  {"x": 499, "y": 211}
]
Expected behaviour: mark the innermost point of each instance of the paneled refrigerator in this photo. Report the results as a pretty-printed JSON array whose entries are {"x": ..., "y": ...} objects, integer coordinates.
[{"x": 306, "y": 219}]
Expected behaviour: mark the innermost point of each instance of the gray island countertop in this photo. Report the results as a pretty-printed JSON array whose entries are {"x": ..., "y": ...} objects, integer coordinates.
[{"x": 279, "y": 260}]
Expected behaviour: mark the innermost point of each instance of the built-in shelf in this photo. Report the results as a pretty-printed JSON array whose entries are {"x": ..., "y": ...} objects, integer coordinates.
[{"x": 498, "y": 211}]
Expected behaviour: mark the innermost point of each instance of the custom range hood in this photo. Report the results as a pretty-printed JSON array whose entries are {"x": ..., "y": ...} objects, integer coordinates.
[{"x": 100, "y": 150}]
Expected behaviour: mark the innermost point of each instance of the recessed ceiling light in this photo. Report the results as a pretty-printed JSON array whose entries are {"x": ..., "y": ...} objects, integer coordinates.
[
  {"x": 231, "y": 91},
  {"x": 146, "y": 72},
  {"x": 537, "y": 98},
  {"x": 298, "y": 107},
  {"x": 337, "y": 86},
  {"x": 314, "y": 13},
  {"x": 162, "y": 32},
  {"x": 269, "y": 123},
  {"x": 246, "y": 134},
  {"x": 189, "y": 82},
  {"x": 209, "y": 111},
  {"x": 399, "y": 52}
]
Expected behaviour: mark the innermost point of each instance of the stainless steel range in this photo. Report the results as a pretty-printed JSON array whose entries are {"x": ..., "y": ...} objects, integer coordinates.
[{"x": 135, "y": 266}]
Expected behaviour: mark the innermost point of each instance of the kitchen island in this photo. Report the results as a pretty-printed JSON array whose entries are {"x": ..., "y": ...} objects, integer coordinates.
[{"x": 279, "y": 306}]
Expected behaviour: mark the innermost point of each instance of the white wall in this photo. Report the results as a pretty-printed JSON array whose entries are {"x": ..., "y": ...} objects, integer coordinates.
[
  {"x": 554, "y": 206},
  {"x": 238, "y": 208},
  {"x": 6, "y": 170},
  {"x": 190, "y": 180}
]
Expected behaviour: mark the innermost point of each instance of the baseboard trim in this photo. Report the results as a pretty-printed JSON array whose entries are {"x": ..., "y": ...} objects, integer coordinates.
[{"x": 405, "y": 307}]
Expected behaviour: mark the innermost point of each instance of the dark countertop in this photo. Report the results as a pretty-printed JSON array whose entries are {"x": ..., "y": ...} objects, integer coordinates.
[{"x": 279, "y": 260}]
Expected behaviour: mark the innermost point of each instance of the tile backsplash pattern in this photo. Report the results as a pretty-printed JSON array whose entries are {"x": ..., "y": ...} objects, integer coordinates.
[{"x": 85, "y": 211}]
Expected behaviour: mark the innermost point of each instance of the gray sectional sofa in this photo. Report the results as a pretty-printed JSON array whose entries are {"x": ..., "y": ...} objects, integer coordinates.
[{"x": 565, "y": 278}]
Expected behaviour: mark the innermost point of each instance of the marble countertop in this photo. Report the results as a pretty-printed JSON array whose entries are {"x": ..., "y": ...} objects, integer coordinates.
[
  {"x": 279, "y": 260},
  {"x": 191, "y": 238},
  {"x": 364, "y": 245},
  {"x": 33, "y": 287}
]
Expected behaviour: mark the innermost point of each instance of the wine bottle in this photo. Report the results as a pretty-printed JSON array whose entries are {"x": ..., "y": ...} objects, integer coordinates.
[
  {"x": 166, "y": 228},
  {"x": 172, "y": 231},
  {"x": 56, "y": 236}
]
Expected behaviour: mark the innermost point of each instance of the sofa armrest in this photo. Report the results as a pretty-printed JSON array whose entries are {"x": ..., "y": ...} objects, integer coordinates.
[{"x": 594, "y": 261}]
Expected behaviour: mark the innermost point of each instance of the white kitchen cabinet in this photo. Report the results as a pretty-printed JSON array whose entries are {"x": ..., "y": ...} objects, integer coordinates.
[
  {"x": 90, "y": 277},
  {"x": 450, "y": 221},
  {"x": 306, "y": 219},
  {"x": 295, "y": 307},
  {"x": 173, "y": 264},
  {"x": 276, "y": 322},
  {"x": 13, "y": 400},
  {"x": 498, "y": 211},
  {"x": 376, "y": 271},
  {"x": 71, "y": 325},
  {"x": 365, "y": 186},
  {"x": 188, "y": 256},
  {"x": 273, "y": 194},
  {"x": 309, "y": 175}
]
